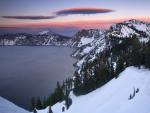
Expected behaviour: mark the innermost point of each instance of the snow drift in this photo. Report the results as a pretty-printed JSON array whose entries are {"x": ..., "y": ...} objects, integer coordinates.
[
  {"x": 114, "y": 96},
  {"x": 8, "y": 107}
]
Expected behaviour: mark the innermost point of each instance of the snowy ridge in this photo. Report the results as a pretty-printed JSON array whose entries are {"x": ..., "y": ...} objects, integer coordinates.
[
  {"x": 89, "y": 52},
  {"x": 88, "y": 45},
  {"x": 85, "y": 36},
  {"x": 8, "y": 107},
  {"x": 114, "y": 96},
  {"x": 130, "y": 28},
  {"x": 91, "y": 42},
  {"x": 43, "y": 32},
  {"x": 43, "y": 38}
]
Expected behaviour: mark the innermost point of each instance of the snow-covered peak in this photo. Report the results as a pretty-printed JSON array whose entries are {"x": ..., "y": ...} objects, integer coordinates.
[
  {"x": 46, "y": 32},
  {"x": 88, "y": 33},
  {"x": 89, "y": 43},
  {"x": 86, "y": 36},
  {"x": 129, "y": 29},
  {"x": 134, "y": 21},
  {"x": 93, "y": 41}
]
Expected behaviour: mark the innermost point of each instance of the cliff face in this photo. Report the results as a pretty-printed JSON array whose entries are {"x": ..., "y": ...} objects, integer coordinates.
[{"x": 91, "y": 42}]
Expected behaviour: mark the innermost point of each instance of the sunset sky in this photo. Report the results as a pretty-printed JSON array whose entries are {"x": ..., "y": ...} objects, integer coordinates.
[{"x": 62, "y": 14}]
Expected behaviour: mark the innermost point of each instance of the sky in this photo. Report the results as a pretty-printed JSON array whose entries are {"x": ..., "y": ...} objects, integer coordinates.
[{"x": 67, "y": 15}]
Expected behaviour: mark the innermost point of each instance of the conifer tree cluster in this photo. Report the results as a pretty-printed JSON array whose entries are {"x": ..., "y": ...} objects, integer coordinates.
[
  {"x": 110, "y": 63},
  {"x": 107, "y": 65},
  {"x": 60, "y": 93}
]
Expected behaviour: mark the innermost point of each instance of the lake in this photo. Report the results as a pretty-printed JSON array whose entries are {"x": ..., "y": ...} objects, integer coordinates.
[{"x": 27, "y": 71}]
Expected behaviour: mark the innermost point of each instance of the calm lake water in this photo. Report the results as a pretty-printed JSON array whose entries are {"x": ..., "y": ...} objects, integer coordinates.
[{"x": 27, "y": 72}]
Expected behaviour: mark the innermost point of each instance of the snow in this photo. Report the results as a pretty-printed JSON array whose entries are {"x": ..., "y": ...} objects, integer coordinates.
[
  {"x": 114, "y": 96},
  {"x": 9, "y": 42},
  {"x": 144, "y": 40},
  {"x": 85, "y": 41},
  {"x": 8, "y": 107},
  {"x": 128, "y": 28},
  {"x": 140, "y": 27},
  {"x": 126, "y": 31},
  {"x": 21, "y": 37},
  {"x": 43, "y": 32},
  {"x": 86, "y": 50},
  {"x": 80, "y": 62}
]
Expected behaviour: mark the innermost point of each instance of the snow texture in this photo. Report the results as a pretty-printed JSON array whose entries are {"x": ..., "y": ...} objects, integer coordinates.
[
  {"x": 85, "y": 41},
  {"x": 114, "y": 96},
  {"x": 43, "y": 32},
  {"x": 8, "y": 107}
]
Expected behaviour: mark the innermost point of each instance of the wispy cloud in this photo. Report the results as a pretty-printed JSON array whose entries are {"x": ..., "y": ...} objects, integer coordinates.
[
  {"x": 29, "y": 17},
  {"x": 64, "y": 12},
  {"x": 83, "y": 11}
]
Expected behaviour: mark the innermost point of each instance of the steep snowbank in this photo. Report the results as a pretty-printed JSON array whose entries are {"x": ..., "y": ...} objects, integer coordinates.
[
  {"x": 8, "y": 107},
  {"x": 114, "y": 96}
]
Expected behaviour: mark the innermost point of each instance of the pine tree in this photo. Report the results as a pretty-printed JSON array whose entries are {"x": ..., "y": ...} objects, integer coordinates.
[
  {"x": 63, "y": 109},
  {"x": 147, "y": 56},
  {"x": 44, "y": 102},
  {"x": 33, "y": 103},
  {"x": 34, "y": 111},
  {"x": 50, "y": 110},
  {"x": 68, "y": 101},
  {"x": 119, "y": 66},
  {"x": 59, "y": 93},
  {"x": 39, "y": 104},
  {"x": 77, "y": 85},
  {"x": 136, "y": 56}
]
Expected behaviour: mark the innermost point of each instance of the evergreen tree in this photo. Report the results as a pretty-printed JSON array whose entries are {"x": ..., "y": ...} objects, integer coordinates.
[
  {"x": 50, "y": 110},
  {"x": 34, "y": 111},
  {"x": 77, "y": 85},
  {"x": 33, "y": 103},
  {"x": 147, "y": 56},
  {"x": 68, "y": 101},
  {"x": 119, "y": 67},
  {"x": 44, "y": 102},
  {"x": 59, "y": 93},
  {"x": 39, "y": 104},
  {"x": 136, "y": 56},
  {"x": 63, "y": 109}
]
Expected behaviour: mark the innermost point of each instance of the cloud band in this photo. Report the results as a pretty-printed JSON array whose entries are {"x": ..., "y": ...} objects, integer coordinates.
[
  {"x": 29, "y": 17},
  {"x": 64, "y": 12},
  {"x": 83, "y": 11}
]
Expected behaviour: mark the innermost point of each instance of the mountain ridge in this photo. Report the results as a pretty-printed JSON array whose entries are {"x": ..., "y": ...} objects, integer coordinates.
[
  {"x": 107, "y": 51},
  {"x": 39, "y": 39},
  {"x": 117, "y": 32}
]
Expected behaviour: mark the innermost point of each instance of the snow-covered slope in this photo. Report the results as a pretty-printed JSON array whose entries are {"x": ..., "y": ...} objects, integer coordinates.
[
  {"x": 114, "y": 96},
  {"x": 88, "y": 44},
  {"x": 42, "y": 38},
  {"x": 43, "y": 32},
  {"x": 8, "y": 107},
  {"x": 129, "y": 29},
  {"x": 91, "y": 42},
  {"x": 85, "y": 37}
]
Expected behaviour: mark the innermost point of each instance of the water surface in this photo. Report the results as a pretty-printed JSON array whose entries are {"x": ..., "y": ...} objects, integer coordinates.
[{"x": 27, "y": 71}]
